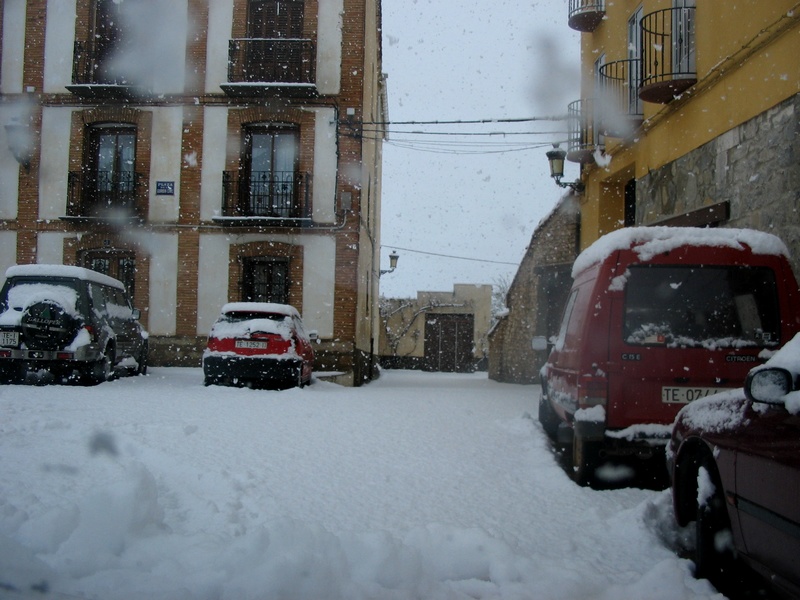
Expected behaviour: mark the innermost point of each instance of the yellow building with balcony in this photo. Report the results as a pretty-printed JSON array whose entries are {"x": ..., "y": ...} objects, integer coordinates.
[{"x": 688, "y": 115}]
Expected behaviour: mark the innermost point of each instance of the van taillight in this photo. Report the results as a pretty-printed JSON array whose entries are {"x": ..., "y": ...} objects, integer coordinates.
[
  {"x": 65, "y": 355},
  {"x": 5, "y": 353},
  {"x": 592, "y": 391}
]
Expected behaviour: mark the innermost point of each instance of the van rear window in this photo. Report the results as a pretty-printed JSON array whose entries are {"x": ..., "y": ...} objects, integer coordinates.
[{"x": 701, "y": 306}]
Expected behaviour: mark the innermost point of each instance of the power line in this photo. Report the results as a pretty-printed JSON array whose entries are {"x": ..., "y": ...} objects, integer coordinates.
[
  {"x": 468, "y": 121},
  {"x": 496, "y": 262}
]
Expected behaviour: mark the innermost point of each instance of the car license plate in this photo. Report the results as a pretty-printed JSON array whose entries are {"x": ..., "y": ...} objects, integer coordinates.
[
  {"x": 684, "y": 395},
  {"x": 251, "y": 344},
  {"x": 9, "y": 338}
]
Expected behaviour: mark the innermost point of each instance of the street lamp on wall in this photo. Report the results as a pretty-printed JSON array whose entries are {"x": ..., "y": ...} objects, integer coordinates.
[
  {"x": 556, "y": 158},
  {"x": 20, "y": 142},
  {"x": 392, "y": 262}
]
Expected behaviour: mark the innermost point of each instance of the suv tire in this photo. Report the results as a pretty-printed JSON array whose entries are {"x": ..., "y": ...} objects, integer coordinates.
[
  {"x": 101, "y": 370},
  {"x": 46, "y": 325}
]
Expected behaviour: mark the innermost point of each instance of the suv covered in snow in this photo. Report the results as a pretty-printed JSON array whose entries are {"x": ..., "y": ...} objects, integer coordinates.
[{"x": 73, "y": 322}]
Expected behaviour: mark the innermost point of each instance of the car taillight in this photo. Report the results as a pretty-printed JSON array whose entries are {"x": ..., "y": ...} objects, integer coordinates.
[
  {"x": 592, "y": 391},
  {"x": 220, "y": 344},
  {"x": 91, "y": 332}
]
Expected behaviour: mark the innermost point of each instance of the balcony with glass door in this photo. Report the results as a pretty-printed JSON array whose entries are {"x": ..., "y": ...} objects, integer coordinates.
[
  {"x": 620, "y": 110},
  {"x": 669, "y": 65}
]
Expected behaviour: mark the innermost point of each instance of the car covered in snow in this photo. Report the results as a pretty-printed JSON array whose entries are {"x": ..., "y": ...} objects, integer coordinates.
[
  {"x": 658, "y": 317},
  {"x": 74, "y": 323},
  {"x": 735, "y": 464},
  {"x": 258, "y": 344}
]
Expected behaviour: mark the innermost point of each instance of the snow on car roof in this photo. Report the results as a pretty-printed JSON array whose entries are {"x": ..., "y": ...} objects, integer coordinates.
[
  {"x": 264, "y": 307},
  {"x": 648, "y": 242},
  {"x": 62, "y": 271}
]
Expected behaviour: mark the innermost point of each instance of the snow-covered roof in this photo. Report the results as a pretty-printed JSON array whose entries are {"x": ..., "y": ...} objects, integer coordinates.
[
  {"x": 62, "y": 271},
  {"x": 264, "y": 307},
  {"x": 648, "y": 242}
]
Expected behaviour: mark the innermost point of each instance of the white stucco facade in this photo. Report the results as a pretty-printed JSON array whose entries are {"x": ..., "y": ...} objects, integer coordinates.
[
  {"x": 164, "y": 273},
  {"x": 8, "y": 255},
  {"x": 58, "y": 45},
  {"x": 325, "y": 166},
  {"x": 50, "y": 247},
  {"x": 165, "y": 163},
  {"x": 329, "y": 47},
  {"x": 54, "y": 162},
  {"x": 220, "y": 25},
  {"x": 13, "y": 46},
  {"x": 215, "y": 140}
]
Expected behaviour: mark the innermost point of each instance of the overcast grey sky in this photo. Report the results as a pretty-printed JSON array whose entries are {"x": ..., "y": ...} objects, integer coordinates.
[{"x": 476, "y": 196}]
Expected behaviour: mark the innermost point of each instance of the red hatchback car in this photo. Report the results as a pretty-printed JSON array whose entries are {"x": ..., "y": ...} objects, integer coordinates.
[
  {"x": 258, "y": 344},
  {"x": 735, "y": 465}
]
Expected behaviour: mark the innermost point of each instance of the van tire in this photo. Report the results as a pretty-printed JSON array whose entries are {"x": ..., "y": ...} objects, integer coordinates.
[
  {"x": 548, "y": 418},
  {"x": 585, "y": 458}
]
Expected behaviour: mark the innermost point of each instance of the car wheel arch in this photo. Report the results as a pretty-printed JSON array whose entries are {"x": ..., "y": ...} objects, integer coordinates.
[{"x": 691, "y": 455}]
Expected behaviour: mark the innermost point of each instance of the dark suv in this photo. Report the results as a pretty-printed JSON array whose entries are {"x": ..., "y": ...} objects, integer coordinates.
[{"x": 75, "y": 323}]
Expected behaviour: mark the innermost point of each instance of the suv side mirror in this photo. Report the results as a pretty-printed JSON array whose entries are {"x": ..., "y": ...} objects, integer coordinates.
[
  {"x": 313, "y": 335},
  {"x": 768, "y": 385},
  {"x": 137, "y": 313},
  {"x": 539, "y": 343}
]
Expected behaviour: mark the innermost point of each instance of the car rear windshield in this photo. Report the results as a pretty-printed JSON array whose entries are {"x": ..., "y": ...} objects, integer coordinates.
[
  {"x": 708, "y": 306},
  {"x": 20, "y": 292},
  {"x": 239, "y": 316}
]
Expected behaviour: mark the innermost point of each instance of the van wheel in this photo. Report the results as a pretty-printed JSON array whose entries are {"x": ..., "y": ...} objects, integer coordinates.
[
  {"x": 548, "y": 418},
  {"x": 714, "y": 554},
  {"x": 585, "y": 457}
]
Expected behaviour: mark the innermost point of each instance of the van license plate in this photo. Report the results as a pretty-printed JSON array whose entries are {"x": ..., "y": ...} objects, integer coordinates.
[
  {"x": 251, "y": 344},
  {"x": 9, "y": 338},
  {"x": 684, "y": 395}
]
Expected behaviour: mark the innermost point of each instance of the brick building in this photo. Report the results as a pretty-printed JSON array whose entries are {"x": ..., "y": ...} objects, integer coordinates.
[
  {"x": 201, "y": 152},
  {"x": 536, "y": 296}
]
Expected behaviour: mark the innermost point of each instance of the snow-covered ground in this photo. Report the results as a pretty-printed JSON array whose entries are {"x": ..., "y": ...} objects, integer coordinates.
[{"x": 419, "y": 485}]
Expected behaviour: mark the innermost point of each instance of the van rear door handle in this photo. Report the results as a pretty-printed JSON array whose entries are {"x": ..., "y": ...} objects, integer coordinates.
[{"x": 681, "y": 380}]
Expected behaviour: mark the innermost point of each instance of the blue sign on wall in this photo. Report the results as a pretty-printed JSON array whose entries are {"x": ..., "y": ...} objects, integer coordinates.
[{"x": 165, "y": 188}]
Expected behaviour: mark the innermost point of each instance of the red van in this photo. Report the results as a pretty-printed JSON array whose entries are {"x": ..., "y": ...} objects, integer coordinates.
[{"x": 658, "y": 317}]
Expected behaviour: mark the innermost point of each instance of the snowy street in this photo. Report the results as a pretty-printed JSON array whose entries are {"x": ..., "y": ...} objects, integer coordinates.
[{"x": 420, "y": 485}]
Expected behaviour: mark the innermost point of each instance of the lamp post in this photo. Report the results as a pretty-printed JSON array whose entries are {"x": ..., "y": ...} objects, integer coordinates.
[
  {"x": 392, "y": 262},
  {"x": 556, "y": 158},
  {"x": 19, "y": 142}
]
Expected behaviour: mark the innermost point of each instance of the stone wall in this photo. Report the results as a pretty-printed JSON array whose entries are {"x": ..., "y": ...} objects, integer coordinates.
[
  {"x": 536, "y": 297},
  {"x": 754, "y": 168}
]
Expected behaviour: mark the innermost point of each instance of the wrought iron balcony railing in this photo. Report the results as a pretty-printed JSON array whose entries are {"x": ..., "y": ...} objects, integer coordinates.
[
  {"x": 277, "y": 195},
  {"x": 91, "y": 75},
  {"x": 584, "y": 137},
  {"x": 669, "y": 64},
  {"x": 105, "y": 195},
  {"x": 285, "y": 61},
  {"x": 586, "y": 15},
  {"x": 620, "y": 108}
]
